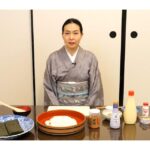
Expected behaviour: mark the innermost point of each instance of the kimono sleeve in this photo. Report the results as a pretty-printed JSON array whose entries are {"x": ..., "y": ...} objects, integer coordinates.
[
  {"x": 96, "y": 96},
  {"x": 50, "y": 92}
]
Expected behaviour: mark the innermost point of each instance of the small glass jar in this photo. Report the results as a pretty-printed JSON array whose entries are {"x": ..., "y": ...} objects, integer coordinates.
[{"x": 94, "y": 118}]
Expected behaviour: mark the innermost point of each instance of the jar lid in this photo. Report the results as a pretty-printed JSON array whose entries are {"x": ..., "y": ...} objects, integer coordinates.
[{"x": 94, "y": 111}]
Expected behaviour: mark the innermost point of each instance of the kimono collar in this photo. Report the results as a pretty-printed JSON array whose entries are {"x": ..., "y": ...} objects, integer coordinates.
[
  {"x": 66, "y": 60},
  {"x": 72, "y": 57}
]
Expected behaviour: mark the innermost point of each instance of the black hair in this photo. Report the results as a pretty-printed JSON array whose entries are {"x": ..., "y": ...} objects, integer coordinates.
[{"x": 73, "y": 20}]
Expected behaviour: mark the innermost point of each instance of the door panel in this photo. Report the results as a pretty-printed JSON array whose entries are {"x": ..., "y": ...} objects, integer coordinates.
[
  {"x": 15, "y": 57},
  {"x": 137, "y": 59}
]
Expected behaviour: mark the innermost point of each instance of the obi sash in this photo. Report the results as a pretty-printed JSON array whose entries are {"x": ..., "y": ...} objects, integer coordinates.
[{"x": 72, "y": 93}]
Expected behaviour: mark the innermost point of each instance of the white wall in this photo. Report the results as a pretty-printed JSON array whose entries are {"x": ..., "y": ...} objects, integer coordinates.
[
  {"x": 97, "y": 25},
  {"x": 15, "y": 57}
]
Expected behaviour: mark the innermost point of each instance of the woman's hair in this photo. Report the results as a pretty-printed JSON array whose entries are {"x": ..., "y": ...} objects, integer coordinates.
[{"x": 72, "y": 20}]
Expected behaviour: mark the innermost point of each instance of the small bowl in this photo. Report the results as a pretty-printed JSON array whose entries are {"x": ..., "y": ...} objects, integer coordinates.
[
  {"x": 26, "y": 113},
  {"x": 107, "y": 114}
]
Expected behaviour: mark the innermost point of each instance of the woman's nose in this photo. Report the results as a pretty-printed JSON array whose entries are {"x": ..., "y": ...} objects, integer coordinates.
[{"x": 71, "y": 36}]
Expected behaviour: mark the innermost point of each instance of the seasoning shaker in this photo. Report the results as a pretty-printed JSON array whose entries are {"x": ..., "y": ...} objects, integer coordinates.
[{"x": 145, "y": 109}]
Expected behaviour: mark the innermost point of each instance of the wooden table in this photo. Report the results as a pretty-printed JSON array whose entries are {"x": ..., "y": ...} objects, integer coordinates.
[{"x": 126, "y": 132}]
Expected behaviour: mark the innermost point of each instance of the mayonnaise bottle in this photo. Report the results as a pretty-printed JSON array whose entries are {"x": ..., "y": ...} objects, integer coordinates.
[{"x": 130, "y": 113}]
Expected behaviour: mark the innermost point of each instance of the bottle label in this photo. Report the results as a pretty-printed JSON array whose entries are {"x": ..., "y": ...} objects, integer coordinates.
[
  {"x": 94, "y": 121},
  {"x": 115, "y": 121},
  {"x": 145, "y": 111}
]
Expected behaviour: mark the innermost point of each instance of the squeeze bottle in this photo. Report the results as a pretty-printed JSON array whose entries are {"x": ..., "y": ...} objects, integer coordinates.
[{"x": 130, "y": 113}]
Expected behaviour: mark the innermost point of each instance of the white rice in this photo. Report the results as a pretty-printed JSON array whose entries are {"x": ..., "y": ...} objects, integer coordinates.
[{"x": 61, "y": 121}]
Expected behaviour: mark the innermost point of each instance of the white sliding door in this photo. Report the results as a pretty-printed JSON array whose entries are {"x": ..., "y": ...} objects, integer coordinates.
[
  {"x": 15, "y": 57},
  {"x": 137, "y": 59}
]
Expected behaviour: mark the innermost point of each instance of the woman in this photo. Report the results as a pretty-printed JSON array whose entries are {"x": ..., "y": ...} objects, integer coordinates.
[{"x": 72, "y": 76}]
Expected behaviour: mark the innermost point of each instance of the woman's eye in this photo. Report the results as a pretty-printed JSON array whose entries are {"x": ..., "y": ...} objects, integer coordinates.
[{"x": 66, "y": 33}]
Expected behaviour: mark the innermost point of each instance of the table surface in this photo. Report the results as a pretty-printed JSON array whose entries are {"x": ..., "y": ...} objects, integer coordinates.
[{"x": 126, "y": 132}]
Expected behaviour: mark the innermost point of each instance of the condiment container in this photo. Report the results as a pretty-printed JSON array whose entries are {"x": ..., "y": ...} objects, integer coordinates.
[
  {"x": 94, "y": 118},
  {"x": 115, "y": 117},
  {"x": 145, "y": 109},
  {"x": 130, "y": 113}
]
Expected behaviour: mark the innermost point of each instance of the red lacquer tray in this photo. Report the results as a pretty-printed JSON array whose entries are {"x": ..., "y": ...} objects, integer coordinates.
[{"x": 79, "y": 117}]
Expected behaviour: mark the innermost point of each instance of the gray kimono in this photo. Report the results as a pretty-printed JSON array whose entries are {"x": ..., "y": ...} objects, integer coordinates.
[{"x": 84, "y": 72}]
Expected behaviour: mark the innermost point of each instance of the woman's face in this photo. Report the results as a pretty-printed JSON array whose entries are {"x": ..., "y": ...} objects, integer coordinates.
[{"x": 72, "y": 36}]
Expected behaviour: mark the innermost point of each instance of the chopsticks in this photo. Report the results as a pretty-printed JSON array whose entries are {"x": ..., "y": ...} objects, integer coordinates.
[
  {"x": 101, "y": 107},
  {"x": 107, "y": 107}
]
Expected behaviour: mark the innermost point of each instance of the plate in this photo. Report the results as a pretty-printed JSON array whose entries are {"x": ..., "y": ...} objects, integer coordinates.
[
  {"x": 26, "y": 124},
  {"x": 107, "y": 113},
  {"x": 79, "y": 117}
]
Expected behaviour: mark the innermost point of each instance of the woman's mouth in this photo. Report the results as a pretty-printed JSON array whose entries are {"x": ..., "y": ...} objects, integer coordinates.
[{"x": 71, "y": 43}]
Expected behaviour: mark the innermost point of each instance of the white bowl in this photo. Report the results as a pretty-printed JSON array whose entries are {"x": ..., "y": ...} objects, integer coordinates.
[{"x": 107, "y": 114}]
